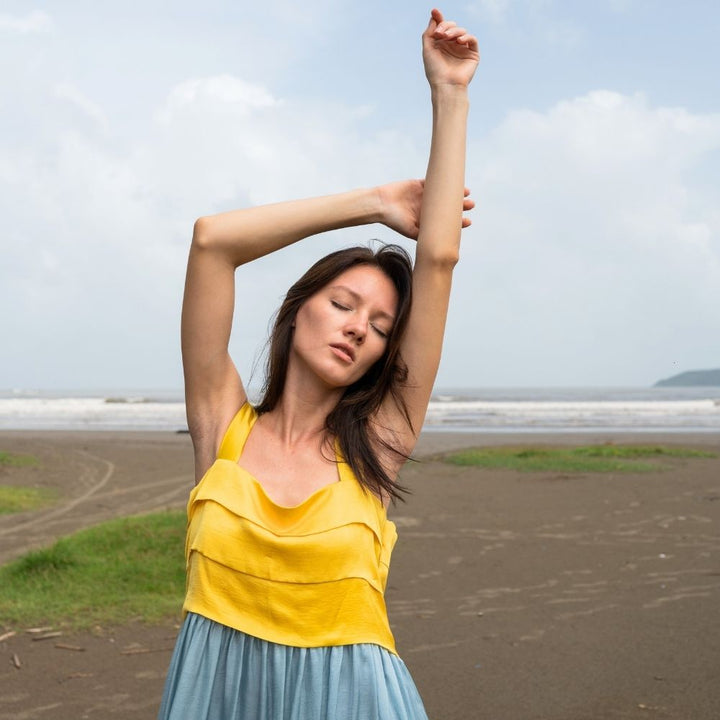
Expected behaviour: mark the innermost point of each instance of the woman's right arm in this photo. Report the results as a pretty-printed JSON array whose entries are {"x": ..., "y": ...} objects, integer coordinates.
[{"x": 220, "y": 244}]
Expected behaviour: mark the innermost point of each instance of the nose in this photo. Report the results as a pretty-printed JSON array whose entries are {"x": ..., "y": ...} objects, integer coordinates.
[{"x": 356, "y": 328}]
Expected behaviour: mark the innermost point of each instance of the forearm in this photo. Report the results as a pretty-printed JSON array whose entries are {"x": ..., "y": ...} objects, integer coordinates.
[
  {"x": 244, "y": 235},
  {"x": 442, "y": 206}
]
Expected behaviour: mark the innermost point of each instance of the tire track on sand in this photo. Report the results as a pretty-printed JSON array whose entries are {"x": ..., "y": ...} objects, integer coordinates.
[
  {"x": 70, "y": 505},
  {"x": 35, "y": 531}
]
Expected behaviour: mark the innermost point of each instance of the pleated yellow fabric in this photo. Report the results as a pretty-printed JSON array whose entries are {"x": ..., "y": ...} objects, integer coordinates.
[{"x": 312, "y": 575}]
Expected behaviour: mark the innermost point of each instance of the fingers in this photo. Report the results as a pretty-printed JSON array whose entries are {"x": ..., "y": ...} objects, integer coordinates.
[
  {"x": 468, "y": 204},
  {"x": 449, "y": 30},
  {"x": 470, "y": 41},
  {"x": 435, "y": 17}
]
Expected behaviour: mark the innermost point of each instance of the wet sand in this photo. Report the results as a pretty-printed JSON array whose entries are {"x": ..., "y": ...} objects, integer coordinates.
[{"x": 512, "y": 595}]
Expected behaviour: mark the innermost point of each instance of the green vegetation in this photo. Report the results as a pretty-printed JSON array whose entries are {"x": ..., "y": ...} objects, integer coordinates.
[
  {"x": 111, "y": 573},
  {"x": 17, "y": 499},
  {"x": 692, "y": 378},
  {"x": 591, "y": 458},
  {"x": 14, "y": 460},
  {"x": 641, "y": 451}
]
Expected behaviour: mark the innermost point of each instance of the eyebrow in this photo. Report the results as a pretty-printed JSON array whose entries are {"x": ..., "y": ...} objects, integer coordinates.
[{"x": 359, "y": 298}]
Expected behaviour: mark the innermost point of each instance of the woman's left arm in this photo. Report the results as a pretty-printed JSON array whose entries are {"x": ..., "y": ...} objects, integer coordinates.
[{"x": 450, "y": 56}]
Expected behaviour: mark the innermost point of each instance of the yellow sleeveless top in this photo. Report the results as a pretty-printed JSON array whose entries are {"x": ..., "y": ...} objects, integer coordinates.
[{"x": 311, "y": 575}]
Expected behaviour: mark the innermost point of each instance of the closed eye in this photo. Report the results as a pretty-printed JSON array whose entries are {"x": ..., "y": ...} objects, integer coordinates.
[
  {"x": 339, "y": 306},
  {"x": 379, "y": 331}
]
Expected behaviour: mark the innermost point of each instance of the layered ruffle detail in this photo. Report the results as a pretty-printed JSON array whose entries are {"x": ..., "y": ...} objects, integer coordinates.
[{"x": 310, "y": 575}]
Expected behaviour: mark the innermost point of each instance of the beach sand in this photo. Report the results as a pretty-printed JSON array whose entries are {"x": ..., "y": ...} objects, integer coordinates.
[{"x": 512, "y": 595}]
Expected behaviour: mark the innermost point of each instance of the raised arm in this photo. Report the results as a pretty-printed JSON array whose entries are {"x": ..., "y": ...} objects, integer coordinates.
[
  {"x": 221, "y": 243},
  {"x": 450, "y": 56}
]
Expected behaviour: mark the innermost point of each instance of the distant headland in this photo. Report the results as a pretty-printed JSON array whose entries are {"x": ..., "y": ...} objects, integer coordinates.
[{"x": 691, "y": 378}]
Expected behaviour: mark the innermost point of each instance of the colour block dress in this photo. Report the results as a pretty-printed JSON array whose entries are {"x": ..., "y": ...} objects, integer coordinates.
[{"x": 285, "y": 616}]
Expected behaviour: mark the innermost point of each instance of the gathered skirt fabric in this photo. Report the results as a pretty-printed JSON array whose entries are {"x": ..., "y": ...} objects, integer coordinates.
[{"x": 218, "y": 673}]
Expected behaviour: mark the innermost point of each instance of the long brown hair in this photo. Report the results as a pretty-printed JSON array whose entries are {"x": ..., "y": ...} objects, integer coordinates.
[{"x": 349, "y": 421}]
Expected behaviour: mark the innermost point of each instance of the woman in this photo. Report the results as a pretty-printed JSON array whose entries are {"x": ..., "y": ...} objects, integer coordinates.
[{"x": 288, "y": 542}]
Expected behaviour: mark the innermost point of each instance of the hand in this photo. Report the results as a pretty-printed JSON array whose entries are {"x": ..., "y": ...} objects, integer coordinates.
[
  {"x": 450, "y": 53},
  {"x": 400, "y": 204}
]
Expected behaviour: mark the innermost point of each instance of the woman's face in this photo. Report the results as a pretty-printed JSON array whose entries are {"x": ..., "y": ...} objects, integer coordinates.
[{"x": 343, "y": 329}]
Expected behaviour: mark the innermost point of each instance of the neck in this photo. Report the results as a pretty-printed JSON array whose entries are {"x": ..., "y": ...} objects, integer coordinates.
[{"x": 302, "y": 410}]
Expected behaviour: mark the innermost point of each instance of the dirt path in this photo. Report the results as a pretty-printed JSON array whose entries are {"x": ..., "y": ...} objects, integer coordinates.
[{"x": 122, "y": 474}]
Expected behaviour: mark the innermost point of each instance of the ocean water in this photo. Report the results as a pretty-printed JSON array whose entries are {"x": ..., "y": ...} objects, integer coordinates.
[{"x": 458, "y": 410}]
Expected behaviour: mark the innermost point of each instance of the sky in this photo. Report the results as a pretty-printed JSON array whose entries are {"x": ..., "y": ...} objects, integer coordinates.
[{"x": 593, "y": 155}]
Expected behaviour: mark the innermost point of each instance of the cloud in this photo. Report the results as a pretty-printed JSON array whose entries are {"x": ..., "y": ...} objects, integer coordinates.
[
  {"x": 246, "y": 143},
  {"x": 594, "y": 247},
  {"x": 593, "y": 257},
  {"x": 538, "y": 21},
  {"x": 232, "y": 94},
  {"x": 35, "y": 22},
  {"x": 598, "y": 243},
  {"x": 88, "y": 107},
  {"x": 93, "y": 263}
]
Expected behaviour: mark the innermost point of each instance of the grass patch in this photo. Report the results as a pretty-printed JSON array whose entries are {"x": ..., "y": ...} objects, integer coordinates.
[
  {"x": 590, "y": 458},
  {"x": 131, "y": 568},
  {"x": 15, "y": 460},
  {"x": 18, "y": 499},
  {"x": 641, "y": 451}
]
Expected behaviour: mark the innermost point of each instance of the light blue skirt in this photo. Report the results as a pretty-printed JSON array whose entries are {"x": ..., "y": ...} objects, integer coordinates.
[{"x": 217, "y": 673}]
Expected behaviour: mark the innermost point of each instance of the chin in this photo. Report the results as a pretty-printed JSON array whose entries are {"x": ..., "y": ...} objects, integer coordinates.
[{"x": 338, "y": 381}]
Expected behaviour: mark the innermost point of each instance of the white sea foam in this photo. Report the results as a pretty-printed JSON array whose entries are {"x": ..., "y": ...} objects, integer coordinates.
[
  {"x": 700, "y": 414},
  {"x": 490, "y": 410},
  {"x": 83, "y": 413}
]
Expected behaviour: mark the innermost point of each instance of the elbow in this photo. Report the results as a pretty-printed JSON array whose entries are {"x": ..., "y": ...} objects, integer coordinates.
[
  {"x": 445, "y": 260},
  {"x": 448, "y": 260},
  {"x": 202, "y": 235}
]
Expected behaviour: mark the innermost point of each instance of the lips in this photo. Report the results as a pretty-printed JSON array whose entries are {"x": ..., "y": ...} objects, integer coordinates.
[{"x": 343, "y": 351}]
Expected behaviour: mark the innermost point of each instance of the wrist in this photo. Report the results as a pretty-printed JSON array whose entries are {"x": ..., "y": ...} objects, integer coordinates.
[
  {"x": 449, "y": 92},
  {"x": 359, "y": 207},
  {"x": 376, "y": 205}
]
